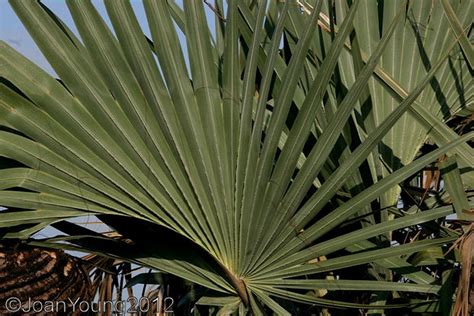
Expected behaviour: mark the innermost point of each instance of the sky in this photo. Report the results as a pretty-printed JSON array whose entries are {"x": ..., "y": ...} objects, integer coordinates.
[{"x": 15, "y": 34}]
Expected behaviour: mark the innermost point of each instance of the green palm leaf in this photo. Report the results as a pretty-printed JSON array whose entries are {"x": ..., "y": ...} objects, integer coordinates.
[{"x": 243, "y": 162}]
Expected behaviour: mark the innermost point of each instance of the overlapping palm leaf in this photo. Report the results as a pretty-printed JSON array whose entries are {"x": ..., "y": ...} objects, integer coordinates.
[{"x": 251, "y": 150}]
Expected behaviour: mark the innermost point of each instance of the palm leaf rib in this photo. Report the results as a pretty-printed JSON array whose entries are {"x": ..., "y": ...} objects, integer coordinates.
[{"x": 248, "y": 83}]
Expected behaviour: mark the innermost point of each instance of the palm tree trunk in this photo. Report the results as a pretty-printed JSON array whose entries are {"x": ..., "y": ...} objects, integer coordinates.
[{"x": 34, "y": 274}]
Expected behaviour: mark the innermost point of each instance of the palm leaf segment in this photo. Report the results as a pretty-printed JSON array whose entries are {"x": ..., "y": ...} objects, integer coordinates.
[{"x": 232, "y": 144}]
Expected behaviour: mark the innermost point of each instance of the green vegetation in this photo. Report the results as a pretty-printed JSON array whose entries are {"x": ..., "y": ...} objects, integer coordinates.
[{"x": 282, "y": 160}]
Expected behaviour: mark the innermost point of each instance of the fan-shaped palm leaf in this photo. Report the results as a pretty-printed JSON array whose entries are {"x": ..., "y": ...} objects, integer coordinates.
[{"x": 243, "y": 157}]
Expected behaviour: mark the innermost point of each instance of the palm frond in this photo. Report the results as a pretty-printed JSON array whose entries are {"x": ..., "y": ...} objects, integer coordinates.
[{"x": 253, "y": 159}]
